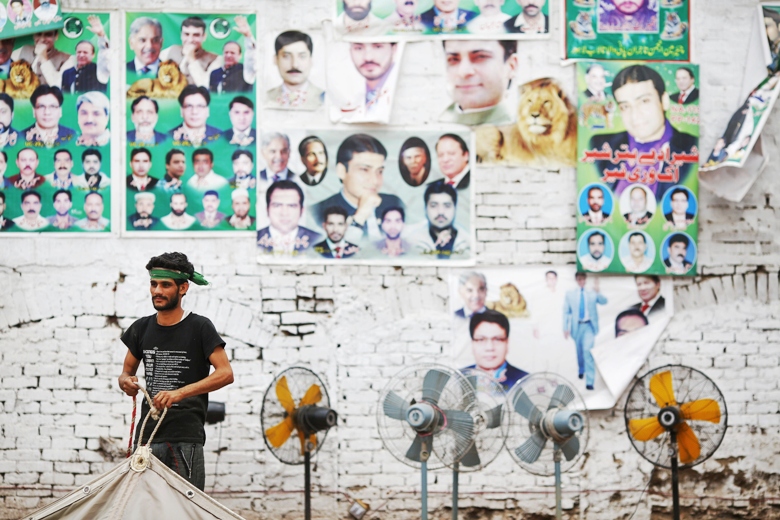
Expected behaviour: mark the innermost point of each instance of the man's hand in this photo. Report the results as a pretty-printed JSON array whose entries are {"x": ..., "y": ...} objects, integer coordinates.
[
  {"x": 42, "y": 52},
  {"x": 167, "y": 398},
  {"x": 443, "y": 238},
  {"x": 96, "y": 26},
  {"x": 242, "y": 27},
  {"x": 366, "y": 206},
  {"x": 188, "y": 51},
  {"x": 128, "y": 384}
]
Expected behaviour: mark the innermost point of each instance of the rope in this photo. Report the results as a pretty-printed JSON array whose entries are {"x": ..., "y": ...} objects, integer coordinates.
[
  {"x": 132, "y": 429},
  {"x": 153, "y": 412}
]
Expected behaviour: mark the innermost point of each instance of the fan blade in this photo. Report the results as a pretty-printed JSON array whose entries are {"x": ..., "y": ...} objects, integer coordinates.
[
  {"x": 493, "y": 417},
  {"x": 284, "y": 395},
  {"x": 530, "y": 450},
  {"x": 413, "y": 453},
  {"x": 571, "y": 448},
  {"x": 525, "y": 407},
  {"x": 645, "y": 429},
  {"x": 562, "y": 396},
  {"x": 701, "y": 410},
  {"x": 278, "y": 435},
  {"x": 461, "y": 423},
  {"x": 662, "y": 390},
  {"x": 472, "y": 381},
  {"x": 312, "y": 396},
  {"x": 433, "y": 383},
  {"x": 688, "y": 443},
  {"x": 394, "y": 406},
  {"x": 471, "y": 458}
]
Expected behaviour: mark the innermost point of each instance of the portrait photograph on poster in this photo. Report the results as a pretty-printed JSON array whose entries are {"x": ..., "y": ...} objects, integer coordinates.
[
  {"x": 55, "y": 153},
  {"x": 294, "y": 70},
  {"x": 382, "y": 196},
  {"x": 23, "y": 17},
  {"x": 637, "y": 165}
]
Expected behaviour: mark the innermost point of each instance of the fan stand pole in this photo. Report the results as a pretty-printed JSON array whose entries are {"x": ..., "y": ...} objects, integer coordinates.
[
  {"x": 307, "y": 484},
  {"x": 455, "y": 491},
  {"x": 558, "y": 492},
  {"x": 424, "y": 507},
  {"x": 675, "y": 479}
]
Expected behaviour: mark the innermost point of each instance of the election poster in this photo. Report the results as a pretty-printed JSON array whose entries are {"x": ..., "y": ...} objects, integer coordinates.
[
  {"x": 388, "y": 197},
  {"x": 294, "y": 72},
  {"x": 55, "y": 131},
  {"x": 191, "y": 135},
  {"x": 658, "y": 30},
  {"x": 637, "y": 164},
  {"x": 23, "y": 17}
]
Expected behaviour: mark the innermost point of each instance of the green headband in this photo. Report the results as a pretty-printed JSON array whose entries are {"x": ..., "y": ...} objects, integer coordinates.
[{"x": 158, "y": 273}]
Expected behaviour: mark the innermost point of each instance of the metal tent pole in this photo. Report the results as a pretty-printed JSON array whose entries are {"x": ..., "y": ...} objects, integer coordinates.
[
  {"x": 558, "y": 493},
  {"x": 675, "y": 479},
  {"x": 455, "y": 491},
  {"x": 307, "y": 484}
]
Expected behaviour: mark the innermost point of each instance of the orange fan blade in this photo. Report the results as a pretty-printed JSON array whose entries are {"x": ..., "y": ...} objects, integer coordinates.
[
  {"x": 284, "y": 395},
  {"x": 278, "y": 435},
  {"x": 313, "y": 440},
  {"x": 688, "y": 444},
  {"x": 701, "y": 410},
  {"x": 312, "y": 396},
  {"x": 661, "y": 388},
  {"x": 645, "y": 429}
]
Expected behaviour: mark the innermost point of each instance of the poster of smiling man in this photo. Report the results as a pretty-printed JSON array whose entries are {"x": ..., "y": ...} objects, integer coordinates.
[
  {"x": 191, "y": 136},
  {"x": 637, "y": 167},
  {"x": 627, "y": 29},
  {"x": 55, "y": 153}
]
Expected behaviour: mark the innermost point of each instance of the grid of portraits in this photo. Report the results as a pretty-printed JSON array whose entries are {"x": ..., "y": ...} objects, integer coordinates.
[
  {"x": 55, "y": 156},
  {"x": 191, "y": 135},
  {"x": 23, "y": 17}
]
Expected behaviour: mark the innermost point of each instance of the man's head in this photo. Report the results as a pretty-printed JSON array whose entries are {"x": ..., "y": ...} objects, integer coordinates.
[
  {"x": 85, "y": 52},
  {"x": 210, "y": 201},
  {"x": 489, "y": 7},
  {"x": 202, "y": 162},
  {"x": 47, "y": 38},
  {"x": 62, "y": 202},
  {"x": 452, "y": 154},
  {"x": 47, "y": 106},
  {"x": 414, "y": 161},
  {"x": 440, "y": 203},
  {"x": 642, "y": 98},
  {"x": 334, "y": 222},
  {"x": 531, "y": 8},
  {"x": 175, "y": 163},
  {"x": 679, "y": 201},
  {"x": 372, "y": 60},
  {"x": 684, "y": 78},
  {"x": 193, "y": 32},
  {"x": 596, "y": 78},
  {"x": 551, "y": 279},
  {"x": 637, "y": 199},
  {"x": 93, "y": 111},
  {"x": 581, "y": 279},
  {"x": 276, "y": 151},
  {"x": 293, "y": 56},
  {"x": 446, "y": 6},
  {"x": 146, "y": 39},
  {"x": 392, "y": 222},
  {"x": 2, "y": 203},
  {"x": 595, "y": 199},
  {"x": 648, "y": 287},
  {"x": 479, "y": 71},
  {"x": 144, "y": 114},
  {"x": 63, "y": 163},
  {"x": 3, "y": 163},
  {"x": 140, "y": 161},
  {"x": 194, "y": 102},
  {"x": 27, "y": 162},
  {"x": 314, "y": 155},
  {"x": 406, "y": 8},
  {"x": 167, "y": 292},
  {"x": 6, "y": 48},
  {"x": 284, "y": 202},
  {"x": 6, "y": 111},
  {"x": 628, "y": 7},
  {"x": 240, "y": 202},
  {"x": 241, "y": 112},
  {"x": 231, "y": 54},
  {"x": 243, "y": 163},
  {"x": 628, "y": 321},
  {"x": 360, "y": 164},
  {"x": 31, "y": 204},
  {"x": 91, "y": 160},
  {"x": 596, "y": 244},
  {"x": 678, "y": 248},
  {"x": 489, "y": 339},
  {"x": 144, "y": 203},
  {"x": 178, "y": 204},
  {"x": 637, "y": 245},
  {"x": 93, "y": 206},
  {"x": 472, "y": 288},
  {"x": 357, "y": 9},
  {"x": 17, "y": 6}
]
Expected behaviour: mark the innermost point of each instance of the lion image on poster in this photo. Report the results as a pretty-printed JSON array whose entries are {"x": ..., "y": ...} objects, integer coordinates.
[
  {"x": 168, "y": 84},
  {"x": 510, "y": 302},
  {"x": 21, "y": 81},
  {"x": 545, "y": 134}
]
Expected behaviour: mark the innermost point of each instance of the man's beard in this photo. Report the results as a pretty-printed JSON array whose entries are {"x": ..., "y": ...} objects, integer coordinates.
[
  {"x": 170, "y": 304},
  {"x": 357, "y": 14},
  {"x": 178, "y": 212}
]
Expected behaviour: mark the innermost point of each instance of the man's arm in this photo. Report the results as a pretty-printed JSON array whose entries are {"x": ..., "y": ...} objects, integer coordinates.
[
  {"x": 128, "y": 382},
  {"x": 222, "y": 376},
  {"x": 566, "y": 317},
  {"x": 242, "y": 27},
  {"x": 103, "y": 51}
]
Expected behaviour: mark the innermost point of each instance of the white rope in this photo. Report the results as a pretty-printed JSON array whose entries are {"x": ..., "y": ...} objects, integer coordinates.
[{"x": 155, "y": 414}]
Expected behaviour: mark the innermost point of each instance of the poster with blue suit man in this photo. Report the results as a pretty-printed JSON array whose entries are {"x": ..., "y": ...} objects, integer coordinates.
[{"x": 581, "y": 323}]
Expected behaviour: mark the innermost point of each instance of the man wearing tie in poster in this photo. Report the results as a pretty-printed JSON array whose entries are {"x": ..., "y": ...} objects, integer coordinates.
[
  {"x": 472, "y": 288},
  {"x": 596, "y": 215},
  {"x": 84, "y": 75},
  {"x": 314, "y": 157},
  {"x": 210, "y": 217},
  {"x": 677, "y": 250},
  {"x": 686, "y": 82},
  {"x": 639, "y": 214},
  {"x": 6, "y": 51},
  {"x": 293, "y": 59},
  {"x": 233, "y": 76},
  {"x": 140, "y": 165},
  {"x": 581, "y": 323},
  {"x": 649, "y": 290},
  {"x": 144, "y": 115},
  {"x": 93, "y": 179},
  {"x": 445, "y": 16},
  {"x": 283, "y": 235},
  {"x": 62, "y": 177},
  {"x": 335, "y": 226},
  {"x": 28, "y": 177},
  {"x": 276, "y": 152},
  {"x": 376, "y": 63},
  {"x": 595, "y": 259},
  {"x": 679, "y": 217},
  {"x": 146, "y": 42},
  {"x": 47, "y": 108},
  {"x": 452, "y": 154},
  {"x": 241, "y": 112},
  {"x": 531, "y": 20},
  {"x": 8, "y": 136},
  {"x": 440, "y": 236},
  {"x": 489, "y": 332},
  {"x": 194, "y": 131}
]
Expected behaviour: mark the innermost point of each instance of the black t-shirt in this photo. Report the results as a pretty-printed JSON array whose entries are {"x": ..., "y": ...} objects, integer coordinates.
[{"x": 173, "y": 357}]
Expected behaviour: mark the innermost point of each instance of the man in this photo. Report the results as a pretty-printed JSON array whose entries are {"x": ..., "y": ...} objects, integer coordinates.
[
  {"x": 293, "y": 58},
  {"x": 629, "y": 321},
  {"x": 46, "y": 11},
  {"x": 404, "y": 19},
  {"x": 596, "y": 215},
  {"x": 21, "y": 15},
  {"x": 489, "y": 332},
  {"x": 472, "y": 288},
  {"x": 453, "y": 158},
  {"x": 47, "y": 62},
  {"x": 679, "y": 217},
  {"x": 241, "y": 112},
  {"x": 47, "y": 109},
  {"x": 639, "y": 214},
  {"x": 275, "y": 148},
  {"x": 177, "y": 348},
  {"x": 31, "y": 219},
  {"x": 62, "y": 177},
  {"x": 8, "y": 136},
  {"x": 146, "y": 42},
  {"x": 637, "y": 260},
  {"x": 392, "y": 225},
  {"x": 62, "y": 202},
  {"x": 143, "y": 219},
  {"x": 596, "y": 81},
  {"x": 93, "y": 178},
  {"x": 28, "y": 176},
  {"x": 490, "y": 19},
  {"x": 6, "y": 50},
  {"x": 210, "y": 217},
  {"x": 5, "y": 223},
  {"x": 93, "y": 209},
  {"x": 595, "y": 259},
  {"x": 772, "y": 26},
  {"x": 479, "y": 73},
  {"x": 719, "y": 153},
  {"x": 283, "y": 235},
  {"x": 175, "y": 166},
  {"x": 373, "y": 101},
  {"x": 144, "y": 113},
  {"x": 205, "y": 177},
  {"x": 360, "y": 164},
  {"x": 445, "y": 16},
  {"x": 686, "y": 83},
  {"x": 642, "y": 99},
  {"x": 649, "y": 290},
  {"x": 84, "y": 75},
  {"x": 530, "y": 20},
  {"x": 357, "y": 18},
  {"x": 195, "y": 62},
  {"x": 581, "y": 323},
  {"x": 440, "y": 236},
  {"x": 178, "y": 218},
  {"x": 140, "y": 164},
  {"x": 627, "y": 16},
  {"x": 92, "y": 109},
  {"x": 194, "y": 131},
  {"x": 335, "y": 226},
  {"x": 414, "y": 161},
  {"x": 314, "y": 156},
  {"x": 241, "y": 219},
  {"x": 234, "y": 76},
  {"x": 551, "y": 281},
  {"x": 677, "y": 251},
  {"x": 243, "y": 170}
]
